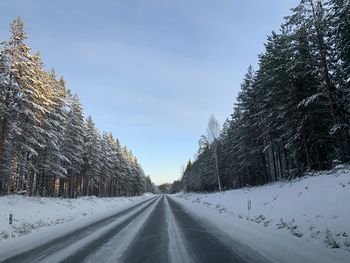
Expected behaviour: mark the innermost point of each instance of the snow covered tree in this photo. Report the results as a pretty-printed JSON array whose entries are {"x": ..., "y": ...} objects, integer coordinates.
[
  {"x": 73, "y": 147},
  {"x": 46, "y": 148},
  {"x": 33, "y": 100},
  {"x": 50, "y": 160},
  {"x": 293, "y": 113},
  {"x": 312, "y": 15},
  {"x": 92, "y": 158}
]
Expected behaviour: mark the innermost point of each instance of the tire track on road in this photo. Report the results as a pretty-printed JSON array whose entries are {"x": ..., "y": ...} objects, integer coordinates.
[
  {"x": 39, "y": 253},
  {"x": 204, "y": 246},
  {"x": 151, "y": 243}
]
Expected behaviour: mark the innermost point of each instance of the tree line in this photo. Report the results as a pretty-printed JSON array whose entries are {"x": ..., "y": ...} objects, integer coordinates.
[
  {"x": 292, "y": 114},
  {"x": 47, "y": 147}
]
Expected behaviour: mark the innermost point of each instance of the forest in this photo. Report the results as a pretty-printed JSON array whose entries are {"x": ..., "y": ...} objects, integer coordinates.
[
  {"x": 292, "y": 113},
  {"x": 47, "y": 147}
]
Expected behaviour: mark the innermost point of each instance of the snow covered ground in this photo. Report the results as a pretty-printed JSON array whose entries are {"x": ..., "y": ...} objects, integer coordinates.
[
  {"x": 35, "y": 217},
  {"x": 306, "y": 220},
  {"x": 309, "y": 216}
]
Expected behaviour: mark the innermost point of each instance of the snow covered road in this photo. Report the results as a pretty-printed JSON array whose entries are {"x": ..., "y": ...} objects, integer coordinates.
[
  {"x": 167, "y": 228},
  {"x": 171, "y": 234},
  {"x": 74, "y": 244},
  {"x": 156, "y": 230}
]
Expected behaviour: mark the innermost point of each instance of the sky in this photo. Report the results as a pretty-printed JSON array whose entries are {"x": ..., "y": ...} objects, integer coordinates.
[{"x": 150, "y": 71}]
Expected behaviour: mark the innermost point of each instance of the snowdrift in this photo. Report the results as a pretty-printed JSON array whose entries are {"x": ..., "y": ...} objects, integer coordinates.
[{"x": 315, "y": 208}]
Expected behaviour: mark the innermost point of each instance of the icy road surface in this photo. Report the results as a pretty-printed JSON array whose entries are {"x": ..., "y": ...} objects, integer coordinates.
[{"x": 156, "y": 230}]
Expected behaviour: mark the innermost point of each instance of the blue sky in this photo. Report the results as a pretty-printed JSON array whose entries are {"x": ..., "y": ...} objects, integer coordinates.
[{"x": 150, "y": 71}]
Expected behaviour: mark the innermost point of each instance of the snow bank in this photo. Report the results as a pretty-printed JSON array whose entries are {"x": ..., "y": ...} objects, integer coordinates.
[
  {"x": 35, "y": 215},
  {"x": 315, "y": 208},
  {"x": 147, "y": 194}
]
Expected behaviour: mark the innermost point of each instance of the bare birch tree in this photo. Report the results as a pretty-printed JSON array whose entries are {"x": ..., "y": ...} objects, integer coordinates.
[{"x": 213, "y": 131}]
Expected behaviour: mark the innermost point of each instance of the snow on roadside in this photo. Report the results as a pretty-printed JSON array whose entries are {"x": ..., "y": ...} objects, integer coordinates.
[
  {"x": 38, "y": 216},
  {"x": 314, "y": 209}
]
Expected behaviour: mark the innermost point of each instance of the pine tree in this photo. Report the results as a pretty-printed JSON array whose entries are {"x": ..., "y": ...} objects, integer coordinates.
[
  {"x": 46, "y": 148},
  {"x": 293, "y": 114},
  {"x": 51, "y": 158},
  {"x": 73, "y": 147},
  {"x": 10, "y": 57},
  {"x": 339, "y": 31},
  {"x": 92, "y": 157},
  {"x": 33, "y": 102},
  {"x": 312, "y": 15}
]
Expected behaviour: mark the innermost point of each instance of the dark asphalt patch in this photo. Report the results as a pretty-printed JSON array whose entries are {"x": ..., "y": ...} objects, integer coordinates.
[
  {"x": 203, "y": 246},
  {"x": 151, "y": 243}
]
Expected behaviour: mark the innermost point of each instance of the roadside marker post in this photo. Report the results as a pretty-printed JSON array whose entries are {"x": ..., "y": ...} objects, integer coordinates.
[
  {"x": 10, "y": 223},
  {"x": 10, "y": 218},
  {"x": 249, "y": 208}
]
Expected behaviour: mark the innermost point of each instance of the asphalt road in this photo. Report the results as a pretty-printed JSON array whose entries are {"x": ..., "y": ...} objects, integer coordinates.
[{"x": 156, "y": 230}]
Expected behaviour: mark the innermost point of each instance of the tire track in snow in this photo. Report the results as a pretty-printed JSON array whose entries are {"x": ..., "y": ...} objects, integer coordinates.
[
  {"x": 204, "y": 245},
  {"x": 113, "y": 250},
  {"x": 91, "y": 244},
  {"x": 151, "y": 244},
  {"x": 177, "y": 243},
  {"x": 76, "y": 238}
]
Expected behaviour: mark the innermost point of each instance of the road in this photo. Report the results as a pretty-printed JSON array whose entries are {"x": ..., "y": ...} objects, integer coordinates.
[{"x": 156, "y": 230}]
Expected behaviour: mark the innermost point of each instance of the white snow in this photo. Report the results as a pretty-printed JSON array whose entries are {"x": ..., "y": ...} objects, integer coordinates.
[
  {"x": 148, "y": 194},
  {"x": 38, "y": 217},
  {"x": 304, "y": 219}
]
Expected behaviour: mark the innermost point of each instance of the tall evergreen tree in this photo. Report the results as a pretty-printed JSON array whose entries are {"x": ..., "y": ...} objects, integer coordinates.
[
  {"x": 293, "y": 113},
  {"x": 73, "y": 146}
]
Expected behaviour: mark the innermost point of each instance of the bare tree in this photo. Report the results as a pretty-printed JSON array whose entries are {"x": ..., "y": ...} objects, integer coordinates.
[{"x": 213, "y": 131}]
